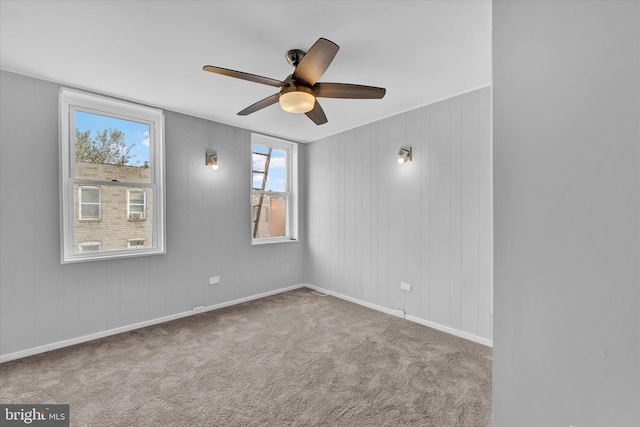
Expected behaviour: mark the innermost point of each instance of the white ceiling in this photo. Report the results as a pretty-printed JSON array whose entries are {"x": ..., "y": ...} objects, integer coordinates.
[{"x": 153, "y": 53}]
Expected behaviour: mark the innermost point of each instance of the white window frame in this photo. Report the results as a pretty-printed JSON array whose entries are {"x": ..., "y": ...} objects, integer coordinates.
[
  {"x": 144, "y": 203},
  {"x": 291, "y": 183},
  {"x": 71, "y": 101},
  {"x": 81, "y": 203}
]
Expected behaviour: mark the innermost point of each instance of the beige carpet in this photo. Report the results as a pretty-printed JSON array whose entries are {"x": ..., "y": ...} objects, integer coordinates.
[{"x": 293, "y": 359}]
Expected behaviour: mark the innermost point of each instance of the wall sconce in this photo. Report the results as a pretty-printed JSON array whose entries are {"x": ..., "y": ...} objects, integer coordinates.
[
  {"x": 212, "y": 160},
  {"x": 404, "y": 155}
]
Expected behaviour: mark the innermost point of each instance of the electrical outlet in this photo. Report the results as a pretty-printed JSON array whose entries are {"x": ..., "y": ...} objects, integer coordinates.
[
  {"x": 405, "y": 286},
  {"x": 214, "y": 280}
]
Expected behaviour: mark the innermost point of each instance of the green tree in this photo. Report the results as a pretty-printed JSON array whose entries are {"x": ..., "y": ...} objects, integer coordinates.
[{"x": 108, "y": 147}]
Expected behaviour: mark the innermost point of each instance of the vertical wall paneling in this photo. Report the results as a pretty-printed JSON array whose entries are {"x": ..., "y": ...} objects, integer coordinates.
[
  {"x": 470, "y": 214},
  {"x": 128, "y": 289},
  {"x": 93, "y": 287},
  {"x": 425, "y": 212},
  {"x": 177, "y": 181},
  {"x": 485, "y": 216},
  {"x": 383, "y": 212},
  {"x": 322, "y": 256},
  {"x": 334, "y": 212},
  {"x": 440, "y": 165},
  {"x": 218, "y": 187},
  {"x": 455, "y": 291},
  {"x": 310, "y": 184},
  {"x": 70, "y": 304},
  {"x": 413, "y": 224},
  {"x": 146, "y": 300},
  {"x": 350, "y": 175},
  {"x": 342, "y": 217},
  {"x": 364, "y": 220},
  {"x": 397, "y": 219},
  {"x": 357, "y": 201},
  {"x": 114, "y": 295},
  {"x": 207, "y": 222},
  {"x": 18, "y": 125},
  {"x": 240, "y": 248},
  {"x": 195, "y": 279},
  {"x": 48, "y": 308},
  {"x": 427, "y": 223},
  {"x": 373, "y": 179}
]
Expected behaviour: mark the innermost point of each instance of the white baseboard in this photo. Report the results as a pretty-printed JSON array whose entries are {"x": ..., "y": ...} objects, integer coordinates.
[
  {"x": 439, "y": 327},
  {"x": 126, "y": 328}
]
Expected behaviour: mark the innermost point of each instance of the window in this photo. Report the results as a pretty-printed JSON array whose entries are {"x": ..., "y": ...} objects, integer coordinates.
[
  {"x": 112, "y": 175},
  {"x": 136, "y": 204},
  {"x": 89, "y": 246},
  {"x": 136, "y": 243},
  {"x": 89, "y": 203},
  {"x": 274, "y": 176}
]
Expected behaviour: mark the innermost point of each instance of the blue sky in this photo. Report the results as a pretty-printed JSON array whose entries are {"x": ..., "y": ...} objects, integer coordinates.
[
  {"x": 135, "y": 134},
  {"x": 276, "y": 178}
]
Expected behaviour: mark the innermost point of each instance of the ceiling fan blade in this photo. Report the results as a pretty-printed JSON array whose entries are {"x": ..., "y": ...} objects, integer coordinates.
[
  {"x": 244, "y": 76},
  {"x": 346, "y": 90},
  {"x": 316, "y": 61},
  {"x": 317, "y": 114},
  {"x": 260, "y": 105}
]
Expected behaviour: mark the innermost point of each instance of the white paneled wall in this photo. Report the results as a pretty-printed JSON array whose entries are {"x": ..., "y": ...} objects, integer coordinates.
[
  {"x": 208, "y": 232},
  {"x": 372, "y": 223}
]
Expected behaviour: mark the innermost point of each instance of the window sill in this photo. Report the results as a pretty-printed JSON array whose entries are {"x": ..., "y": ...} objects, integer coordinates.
[
  {"x": 272, "y": 241},
  {"x": 107, "y": 255}
]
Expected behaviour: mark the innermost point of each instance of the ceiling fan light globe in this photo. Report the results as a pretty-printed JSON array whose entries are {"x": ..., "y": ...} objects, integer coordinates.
[{"x": 297, "y": 102}]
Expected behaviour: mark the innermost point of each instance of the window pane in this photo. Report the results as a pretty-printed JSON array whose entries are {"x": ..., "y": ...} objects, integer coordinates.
[
  {"x": 277, "y": 171},
  {"x": 116, "y": 228},
  {"x": 89, "y": 247},
  {"x": 90, "y": 195},
  {"x": 136, "y": 208},
  {"x": 109, "y": 149},
  {"x": 257, "y": 180},
  {"x": 139, "y": 243},
  {"x": 270, "y": 215},
  {"x": 277, "y": 168},
  {"x": 90, "y": 212},
  {"x": 136, "y": 197},
  {"x": 259, "y": 158}
]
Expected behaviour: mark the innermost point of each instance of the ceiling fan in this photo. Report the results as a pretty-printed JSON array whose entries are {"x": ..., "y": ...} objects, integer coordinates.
[{"x": 298, "y": 92}]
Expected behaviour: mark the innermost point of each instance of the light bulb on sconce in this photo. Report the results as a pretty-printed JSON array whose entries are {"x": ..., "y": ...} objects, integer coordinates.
[
  {"x": 212, "y": 160},
  {"x": 404, "y": 155}
]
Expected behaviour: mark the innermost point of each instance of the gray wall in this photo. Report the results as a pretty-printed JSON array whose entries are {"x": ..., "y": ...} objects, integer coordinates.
[
  {"x": 373, "y": 223},
  {"x": 566, "y": 203},
  {"x": 208, "y": 231}
]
